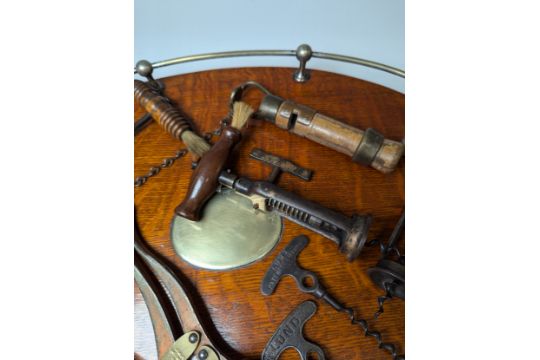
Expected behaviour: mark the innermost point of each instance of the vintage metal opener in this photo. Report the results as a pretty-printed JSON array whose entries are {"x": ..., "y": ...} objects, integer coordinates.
[
  {"x": 285, "y": 264},
  {"x": 290, "y": 335}
]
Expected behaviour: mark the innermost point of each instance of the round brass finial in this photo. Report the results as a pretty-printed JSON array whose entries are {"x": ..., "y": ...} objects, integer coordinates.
[{"x": 304, "y": 52}]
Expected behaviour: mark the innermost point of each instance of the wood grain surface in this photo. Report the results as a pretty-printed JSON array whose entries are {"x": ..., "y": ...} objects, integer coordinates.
[{"x": 242, "y": 317}]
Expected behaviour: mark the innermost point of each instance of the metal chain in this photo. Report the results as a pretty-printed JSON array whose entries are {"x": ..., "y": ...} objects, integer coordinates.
[
  {"x": 154, "y": 170},
  {"x": 169, "y": 161}
]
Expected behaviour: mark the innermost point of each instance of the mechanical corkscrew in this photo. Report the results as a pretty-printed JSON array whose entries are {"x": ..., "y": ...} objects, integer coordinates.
[{"x": 349, "y": 233}]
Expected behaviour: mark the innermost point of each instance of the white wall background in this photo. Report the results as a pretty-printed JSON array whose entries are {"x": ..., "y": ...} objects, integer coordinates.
[{"x": 369, "y": 29}]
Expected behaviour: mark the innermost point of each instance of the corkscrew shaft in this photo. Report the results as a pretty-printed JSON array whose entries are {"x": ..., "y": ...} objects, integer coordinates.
[{"x": 349, "y": 233}]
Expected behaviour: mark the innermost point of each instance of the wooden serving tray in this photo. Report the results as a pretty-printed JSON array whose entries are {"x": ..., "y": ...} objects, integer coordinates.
[{"x": 243, "y": 318}]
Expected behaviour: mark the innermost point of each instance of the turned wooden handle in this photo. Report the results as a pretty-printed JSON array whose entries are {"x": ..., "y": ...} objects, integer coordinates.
[
  {"x": 365, "y": 147},
  {"x": 161, "y": 110},
  {"x": 204, "y": 179}
]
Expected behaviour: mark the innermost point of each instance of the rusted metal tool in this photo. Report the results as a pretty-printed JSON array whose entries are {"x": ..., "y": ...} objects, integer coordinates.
[
  {"x": 171, "y": 309},
  {"x": 285, "y": 264},
  {"x": 279, "y": 165},
  {"x": 367, "y": 147},
  {"x": 290, "y": 335},
  {"x": 349, "y": 233}
]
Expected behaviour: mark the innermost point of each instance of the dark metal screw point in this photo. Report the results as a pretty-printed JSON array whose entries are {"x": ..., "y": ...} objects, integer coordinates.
[
  {"x": 193, "y": 338},
  {"x": 203, "y": 354}
]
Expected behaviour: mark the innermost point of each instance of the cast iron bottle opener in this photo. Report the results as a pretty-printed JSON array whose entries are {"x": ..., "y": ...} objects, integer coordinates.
[
  {"x": 289, "y": 335},
  {"x": 285, "y": 263}
]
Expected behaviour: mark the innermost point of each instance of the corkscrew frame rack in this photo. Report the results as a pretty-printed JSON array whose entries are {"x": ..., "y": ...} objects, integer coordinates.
[{"x": 303, "y": 53}]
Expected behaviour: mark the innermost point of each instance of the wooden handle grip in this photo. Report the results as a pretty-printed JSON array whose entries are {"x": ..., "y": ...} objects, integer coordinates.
[
  {"x": 345, "y": 139},
  {"x": 204, "y": 179},
  {"x": 161, "y": 110},
  {"x": 365, "y": 147}
]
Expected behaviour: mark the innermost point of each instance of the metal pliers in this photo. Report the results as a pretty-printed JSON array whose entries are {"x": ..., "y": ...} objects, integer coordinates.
[{"x": 178, "y": 331}]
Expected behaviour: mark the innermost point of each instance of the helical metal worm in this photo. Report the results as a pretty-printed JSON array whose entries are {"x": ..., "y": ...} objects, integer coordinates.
[
  {"x": 388, "y": 288},
  {"x": 391, "y": 348}
]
